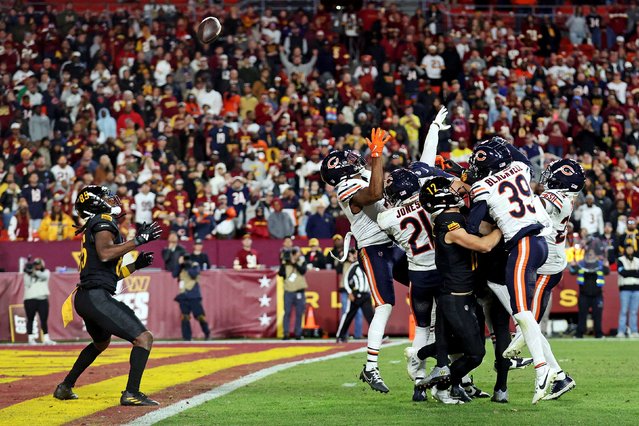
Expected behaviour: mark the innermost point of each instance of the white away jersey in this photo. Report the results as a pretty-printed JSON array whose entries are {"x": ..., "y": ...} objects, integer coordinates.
[
  {"x": 363, "y": 224},
  {"x": 559, "y": 205},
  {"x": 410, "y": 226},
  {"x": 511, "y": 202}
]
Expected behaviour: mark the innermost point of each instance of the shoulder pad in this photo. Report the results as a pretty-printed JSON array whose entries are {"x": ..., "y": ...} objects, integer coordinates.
[
  {"x": 479, "y": 190},
  {"x": 555, "y": 198},
  {"x": 450, "y": 221},
  {"x": 346, "y": 189},
  {"x": 103, "y": 222}
]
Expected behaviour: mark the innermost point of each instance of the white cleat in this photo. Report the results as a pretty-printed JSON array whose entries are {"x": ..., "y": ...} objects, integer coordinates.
[
  {"x": 516, "y": 345},
  {"x": 415, "y": 367},
  {"x": 47, "y": 340},
  {"x": 33, "y": 339},
  {"x": 543, "y": 383},
  {"x": 444, "y": 397}
]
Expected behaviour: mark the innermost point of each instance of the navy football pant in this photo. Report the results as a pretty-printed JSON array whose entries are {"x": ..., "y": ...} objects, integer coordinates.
[
  {"x": 423, "y": 290},
  {"x": 543, "y": 290},
  {"x": 378, "y": 262},
  {"x": 524, "y": 258}
]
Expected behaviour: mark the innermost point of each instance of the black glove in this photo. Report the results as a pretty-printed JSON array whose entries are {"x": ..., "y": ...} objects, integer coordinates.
[
  {"x": 147, "y": 233},
  {"x": 145, "y": 258}
]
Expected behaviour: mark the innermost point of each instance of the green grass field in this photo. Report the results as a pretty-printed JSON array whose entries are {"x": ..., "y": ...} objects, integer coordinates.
[{"x": 328, "y": 392}]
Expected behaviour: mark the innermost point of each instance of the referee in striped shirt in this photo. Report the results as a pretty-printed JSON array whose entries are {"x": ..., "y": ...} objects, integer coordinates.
[{"x": 359, "y": 296}]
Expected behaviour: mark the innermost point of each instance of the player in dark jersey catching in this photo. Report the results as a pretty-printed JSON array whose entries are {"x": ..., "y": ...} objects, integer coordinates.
[
  {"x": 456, "y": 302},
  {"x": 101, "y": 268}
]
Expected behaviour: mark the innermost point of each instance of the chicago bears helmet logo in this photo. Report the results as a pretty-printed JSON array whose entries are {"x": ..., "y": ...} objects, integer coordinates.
[
  {"x": 480, "y": 155},
  {"x": 332, "y": 163},
  {"x": 567, "y": 170}
]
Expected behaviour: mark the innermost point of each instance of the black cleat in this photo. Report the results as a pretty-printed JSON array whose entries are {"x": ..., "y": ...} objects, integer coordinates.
[
  {"x": 560, "y": 387},
  {"x": 374, "y": 380},
  {"x": 136, "y": 399},
  {"x": 64, "y": 392},
  {"x": 419, "y": 394},
  {"x": 518, "y": 363},
  {"x": 457, "y": 392},
  {"x": 473, "y": 391}
]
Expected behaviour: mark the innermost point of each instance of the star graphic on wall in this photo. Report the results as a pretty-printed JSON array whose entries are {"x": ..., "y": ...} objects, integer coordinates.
[
  {"x": 265, "y": 320},
  {"x": 264, "y": 282},
  {"x": 265, "y": 301}
]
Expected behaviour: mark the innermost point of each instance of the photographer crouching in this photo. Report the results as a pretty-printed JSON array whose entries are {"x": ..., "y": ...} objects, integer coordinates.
[
  {"x": 292, "y": 270},
  {"x": 36, "y": 299},
  {"x": 187, "y": 271}
]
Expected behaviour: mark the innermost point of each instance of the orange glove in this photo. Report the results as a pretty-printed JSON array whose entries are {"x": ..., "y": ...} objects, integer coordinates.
[
  {"x": 440, "y": 162},
  {"x": 376, "y": 143}
]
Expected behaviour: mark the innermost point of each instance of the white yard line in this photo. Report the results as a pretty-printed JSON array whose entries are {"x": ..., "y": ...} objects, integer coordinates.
[{"x": 225, "y": 389}]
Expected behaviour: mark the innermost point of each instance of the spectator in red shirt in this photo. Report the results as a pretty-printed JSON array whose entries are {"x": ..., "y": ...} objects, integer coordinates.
[
  {"x": 258, "y": 225},
  {"x": 246, "y": 257},
  {"x": 177, "y": 201}
]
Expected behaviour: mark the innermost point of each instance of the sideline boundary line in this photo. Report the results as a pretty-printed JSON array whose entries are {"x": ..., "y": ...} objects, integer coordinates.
[{"x": 226, "y": 388}]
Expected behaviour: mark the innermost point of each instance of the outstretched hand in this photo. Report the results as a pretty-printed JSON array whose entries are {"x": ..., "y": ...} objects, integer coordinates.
[
  {"x": 147, "y": 233},
  {"x": 440, "y": 119},
  {"x": 379, "y": 138},
  {"x": 144, "y": 259}
]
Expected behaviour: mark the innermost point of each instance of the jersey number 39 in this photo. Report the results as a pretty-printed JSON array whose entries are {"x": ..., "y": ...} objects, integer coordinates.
[{"x": 516, "y": 190}]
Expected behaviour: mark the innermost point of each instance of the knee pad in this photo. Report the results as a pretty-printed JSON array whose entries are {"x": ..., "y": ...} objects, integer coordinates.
[
  {"x": 476, "y": 359},
  {"x": 185, "y": 317},
  {"x": 201, "y": 318}
]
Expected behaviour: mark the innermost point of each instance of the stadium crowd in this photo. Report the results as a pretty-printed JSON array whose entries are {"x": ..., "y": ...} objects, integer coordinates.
[{"x": 224, "y": 140}]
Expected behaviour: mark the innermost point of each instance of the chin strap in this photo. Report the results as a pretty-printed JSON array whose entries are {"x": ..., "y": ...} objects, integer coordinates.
[{"x": 347, "y": 243}]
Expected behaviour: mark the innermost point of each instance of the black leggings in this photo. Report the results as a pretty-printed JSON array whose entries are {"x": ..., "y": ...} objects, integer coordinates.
[{"x": 41, "y": 307}]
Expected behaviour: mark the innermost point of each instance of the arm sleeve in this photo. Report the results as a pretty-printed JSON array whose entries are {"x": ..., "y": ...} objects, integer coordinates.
[
  {"x": 282, "y": 271},
  {"x": 519, "y": 156},
  {"x": 430, "y": 145},
  {"x": 176, "y": 270},
  {"x": 476, "y": 215}
]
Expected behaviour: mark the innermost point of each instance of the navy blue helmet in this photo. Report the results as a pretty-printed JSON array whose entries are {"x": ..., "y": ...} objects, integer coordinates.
[
  {"x": 436, "y": 194},
  {"x": 489, "y": 157},
  {"x": 341, "y": 165},
  {"x": 564, "y": 174},
  {"x": 400, "y": 186}
]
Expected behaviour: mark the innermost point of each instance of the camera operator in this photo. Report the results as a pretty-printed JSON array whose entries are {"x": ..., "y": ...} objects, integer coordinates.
[
  {"x": 292, "y": 270},
  {"x": 36, "y": 298},
  {"x": 187, "y": 271}
]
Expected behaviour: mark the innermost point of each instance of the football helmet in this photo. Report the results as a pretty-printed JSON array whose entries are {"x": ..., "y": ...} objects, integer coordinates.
[
  {"x": 564, "y": 174},
  {"x": 341, "y": 165},
  {"x": 489, "y": 157},
  {"x": 436, "y": 194},
  {"x": 400, "y": 185},
  {"x": 94, "y": 199}
]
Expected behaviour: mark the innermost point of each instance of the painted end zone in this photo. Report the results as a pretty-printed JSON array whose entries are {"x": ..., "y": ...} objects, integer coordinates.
[{"x": 175, "y": 372}]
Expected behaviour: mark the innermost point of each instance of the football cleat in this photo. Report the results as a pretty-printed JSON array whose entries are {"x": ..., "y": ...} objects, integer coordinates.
[
  {"x": 560, "y": 387},
  {"x": 543, "y": 382},
  {"x": 419, "y": 394},
  {"x": 473, "y": 391},
  {"x": 414, "y": 365},
  {"x": 520, "y": 363},
  {"x": 457, "y": 392},
  {"x": 374, "y": 379},
  {"x": 500, "y": 396},
  {"x": 516, "y": 345},
  {"x": 64, "y": 392},
  {"x": 136, "y": 399},
  {"x": 47, "y": 340},
  {"x": 443, "y": 396},
  {"x": 341, "y": 340},
  {"x": 437, "y": 375}
]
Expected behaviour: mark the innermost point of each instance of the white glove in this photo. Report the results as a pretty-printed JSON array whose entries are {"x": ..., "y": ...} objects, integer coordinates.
[{"x": 439, "y": 119}]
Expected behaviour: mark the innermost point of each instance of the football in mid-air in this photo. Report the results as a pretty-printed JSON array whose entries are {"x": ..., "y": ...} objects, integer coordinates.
[{"x": 209, "y": 30}]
